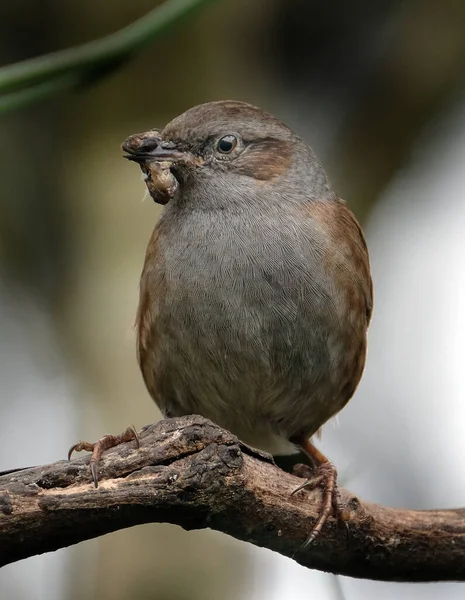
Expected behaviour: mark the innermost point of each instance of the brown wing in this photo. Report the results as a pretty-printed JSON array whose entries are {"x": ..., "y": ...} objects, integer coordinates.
[
  {"x": 346, "y": 253},
  {"x": 152, "y": 292},
  {"x": 346, "y": 260},
  {"x": 360, "y": 252}
]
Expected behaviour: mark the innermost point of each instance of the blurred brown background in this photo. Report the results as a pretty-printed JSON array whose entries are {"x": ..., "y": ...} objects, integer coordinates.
[{"x": 377, "y": 90}]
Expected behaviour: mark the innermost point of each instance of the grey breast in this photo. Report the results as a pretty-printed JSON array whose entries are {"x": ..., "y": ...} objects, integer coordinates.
[{"x": 247, "y": 328}]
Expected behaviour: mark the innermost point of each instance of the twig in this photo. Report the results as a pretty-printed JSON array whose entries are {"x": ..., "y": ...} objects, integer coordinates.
[{"x": 69, "y": 68}]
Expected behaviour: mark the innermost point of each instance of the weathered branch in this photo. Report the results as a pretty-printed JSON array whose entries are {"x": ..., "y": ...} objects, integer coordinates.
[{"x": 194, "y": 474}]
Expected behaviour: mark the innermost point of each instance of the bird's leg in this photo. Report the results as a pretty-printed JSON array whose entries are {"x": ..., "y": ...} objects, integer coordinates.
[
  {"x": 325, "y": 475},
  {"x": 98, "y": 447}
]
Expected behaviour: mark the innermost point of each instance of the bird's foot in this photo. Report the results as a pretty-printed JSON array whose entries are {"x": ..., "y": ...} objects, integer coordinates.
[
  {"x": 98, "y": 447},
  {"x": 325, "y": 476}
]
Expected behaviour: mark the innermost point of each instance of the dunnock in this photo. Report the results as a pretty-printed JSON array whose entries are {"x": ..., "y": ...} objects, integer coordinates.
[{"x": 256, "y": 295}]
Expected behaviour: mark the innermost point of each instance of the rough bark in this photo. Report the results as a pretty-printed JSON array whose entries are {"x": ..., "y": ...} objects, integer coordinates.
[{"x": 192, "y": 473}]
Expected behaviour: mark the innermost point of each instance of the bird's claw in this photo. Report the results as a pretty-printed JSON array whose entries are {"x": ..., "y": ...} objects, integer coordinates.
[
  {"x": 98, "y": 447},
  {"x": 325, "y": 475}
]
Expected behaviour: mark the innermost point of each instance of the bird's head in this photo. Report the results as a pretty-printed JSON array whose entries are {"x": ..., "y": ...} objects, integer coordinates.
[{"x": 226, "y": 151}]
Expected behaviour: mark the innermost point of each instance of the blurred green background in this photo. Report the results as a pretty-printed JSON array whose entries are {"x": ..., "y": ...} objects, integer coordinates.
[{"x": 362, "y": 81}]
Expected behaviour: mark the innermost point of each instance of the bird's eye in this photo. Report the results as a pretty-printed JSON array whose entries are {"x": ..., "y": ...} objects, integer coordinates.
[{"x": 227, "y": 144}]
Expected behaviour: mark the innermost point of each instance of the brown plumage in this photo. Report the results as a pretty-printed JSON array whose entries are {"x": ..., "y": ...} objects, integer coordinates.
[{"x": 256, "y": 294}]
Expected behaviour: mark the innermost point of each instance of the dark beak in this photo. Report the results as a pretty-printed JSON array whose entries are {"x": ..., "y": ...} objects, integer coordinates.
[{"x": 142, "y": 149}]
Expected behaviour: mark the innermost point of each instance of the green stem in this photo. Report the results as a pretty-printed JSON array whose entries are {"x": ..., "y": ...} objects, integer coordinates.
[
  {"x": 21, "y": 98},
  {"x": 94, "y": 55}
]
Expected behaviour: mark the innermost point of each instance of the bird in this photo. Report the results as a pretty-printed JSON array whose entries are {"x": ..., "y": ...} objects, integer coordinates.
[{"x": 256, "y": 291}]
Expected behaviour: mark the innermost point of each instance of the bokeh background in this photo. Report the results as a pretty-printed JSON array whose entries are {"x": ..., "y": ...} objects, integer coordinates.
[{"x": 377, "y": 88}]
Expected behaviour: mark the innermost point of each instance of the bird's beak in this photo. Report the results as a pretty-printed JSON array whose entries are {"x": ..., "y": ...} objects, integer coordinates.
[
  {"x": 149, "y": 147},
  {"x": 161, "y": 162}
]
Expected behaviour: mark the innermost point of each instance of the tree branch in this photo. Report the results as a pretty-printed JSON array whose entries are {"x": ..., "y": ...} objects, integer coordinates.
[{"x": 194, "y": 474}]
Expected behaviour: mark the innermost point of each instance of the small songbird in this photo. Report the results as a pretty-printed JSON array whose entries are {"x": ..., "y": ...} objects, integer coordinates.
[{"x": 256, "y": 294}]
